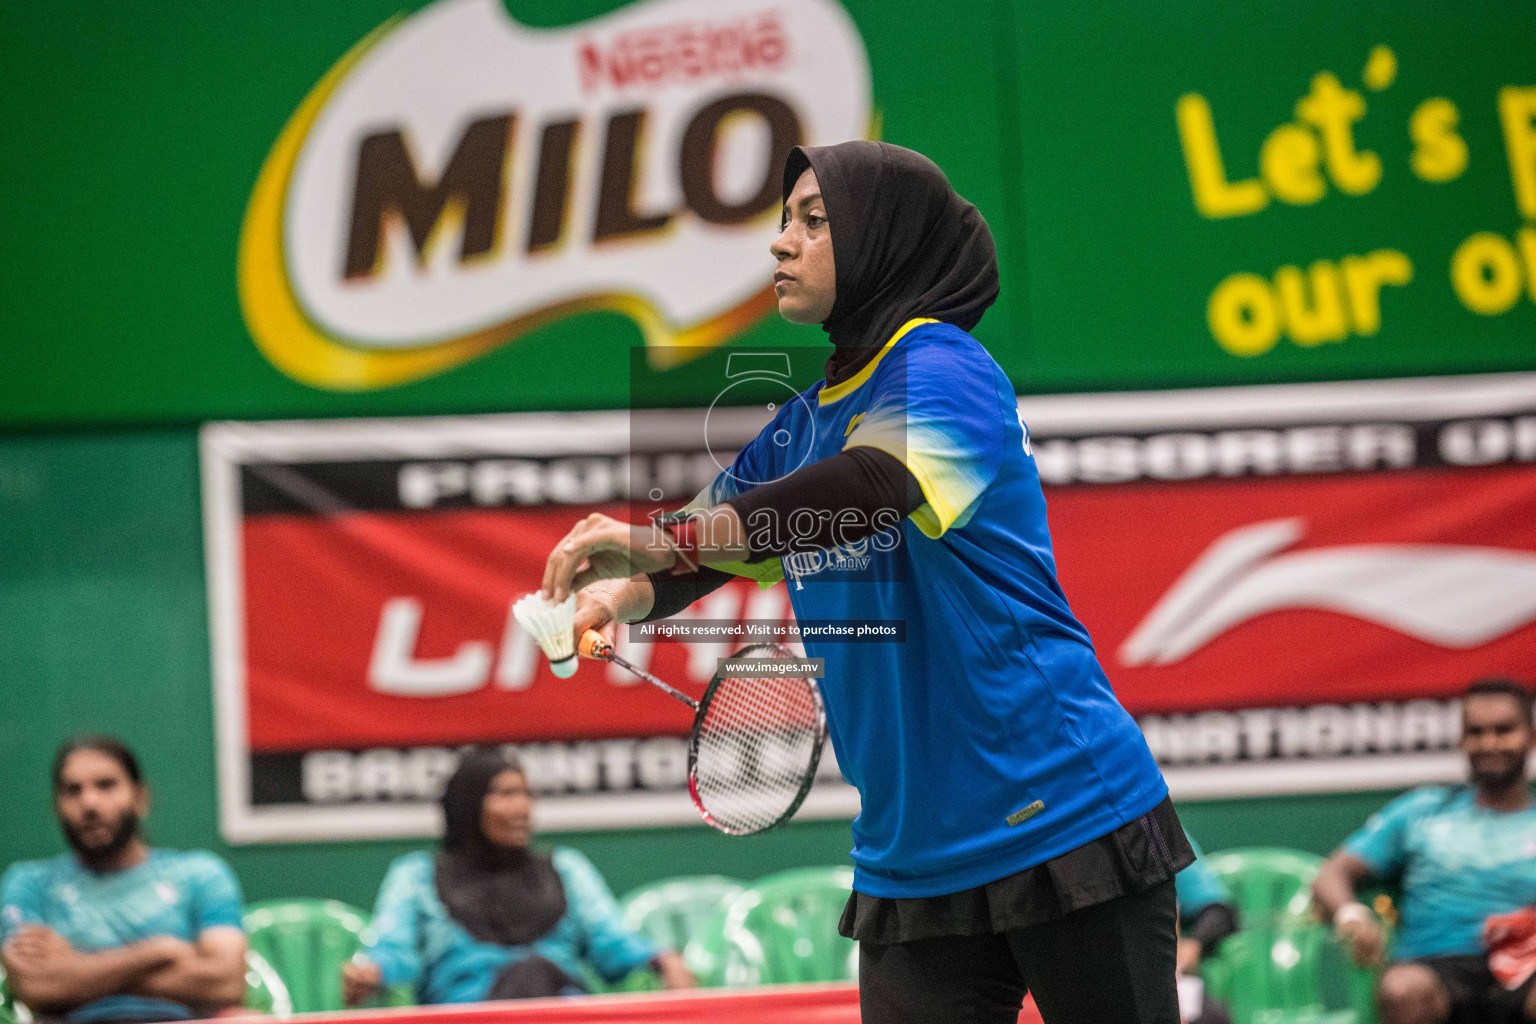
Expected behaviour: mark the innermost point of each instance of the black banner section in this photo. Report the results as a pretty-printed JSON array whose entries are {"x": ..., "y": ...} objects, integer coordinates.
[
  {"x": 412, "y": 485},
  {"x": 395, "y": 775}
]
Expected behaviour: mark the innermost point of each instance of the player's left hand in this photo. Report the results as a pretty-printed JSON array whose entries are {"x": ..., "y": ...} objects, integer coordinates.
[{"x": 600, "y": 548}]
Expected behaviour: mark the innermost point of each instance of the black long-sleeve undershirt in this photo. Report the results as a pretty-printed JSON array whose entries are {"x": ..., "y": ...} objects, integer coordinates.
[
  {"x": 846, "y": 498},
  {"x": 674, "y": 593}
]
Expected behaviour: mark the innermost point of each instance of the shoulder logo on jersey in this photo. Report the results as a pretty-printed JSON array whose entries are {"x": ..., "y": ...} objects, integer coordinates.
[
  {"x": 1028, "y": 450},
  {"x": 840, "y": 558},
  {"x": 853, "y": 423}
]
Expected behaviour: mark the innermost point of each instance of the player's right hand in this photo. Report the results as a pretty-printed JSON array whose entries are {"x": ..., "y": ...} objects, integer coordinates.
[{"x": 597, "y": 607}]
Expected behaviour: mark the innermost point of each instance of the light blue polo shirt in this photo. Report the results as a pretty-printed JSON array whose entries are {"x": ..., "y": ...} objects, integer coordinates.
[
  {"x": 174, "y": 892},
  {"x": 1457, "y": 863}
]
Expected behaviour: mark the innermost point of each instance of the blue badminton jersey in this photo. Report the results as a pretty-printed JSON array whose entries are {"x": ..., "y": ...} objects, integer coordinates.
[{"x": 990, "y": 740}]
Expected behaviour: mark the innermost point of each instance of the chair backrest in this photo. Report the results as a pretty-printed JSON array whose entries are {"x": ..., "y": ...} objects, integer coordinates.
[
  {"x": 1268, "y": 884},
  {"x": 11, "y": 1012},
  {"x": 306, "y": 941},
  {"x": 782, "y": 928},
  {"x": 264, "y": 989},
  {"x": 1282, "y": 966},
  {"x": 668, "y": 912},
  {"x": 1288, "y": 974}
]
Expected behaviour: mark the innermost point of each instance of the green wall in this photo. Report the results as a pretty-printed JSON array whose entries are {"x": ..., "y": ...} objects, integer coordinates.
[{"x": 133, "y": 145}]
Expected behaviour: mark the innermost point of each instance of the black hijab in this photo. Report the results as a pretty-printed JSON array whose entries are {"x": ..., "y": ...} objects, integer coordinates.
[
  {"x": 506, "y": 896},
  {"x": 904, "y": 242}
]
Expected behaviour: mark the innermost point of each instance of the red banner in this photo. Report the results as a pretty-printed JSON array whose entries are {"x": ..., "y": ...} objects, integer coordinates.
[
  {"x": 1287, "y": 586},
  {"x": 343, "y": 609},
  {"x": 1351, "y": 588},
  {"x": 783, "y": 1004}
]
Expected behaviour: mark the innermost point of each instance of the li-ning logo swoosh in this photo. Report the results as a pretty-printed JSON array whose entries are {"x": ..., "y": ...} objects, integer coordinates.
[
  {"x": 1449, "y": 595},
  {"x": 459, "y": 179}
]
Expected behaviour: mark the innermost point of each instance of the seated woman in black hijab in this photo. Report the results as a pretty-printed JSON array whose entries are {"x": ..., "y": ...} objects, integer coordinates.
[{"x": 486, "y": 917}]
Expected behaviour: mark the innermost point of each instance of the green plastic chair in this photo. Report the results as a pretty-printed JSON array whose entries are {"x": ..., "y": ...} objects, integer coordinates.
[
  {"x": 8, "y": 1005},
  {"x": 782, "y": 928},
  {"x": 1291, "y": 974},
  {"x": 1282, "y": 967},
  {"x": 306, "y": 941},
  {"x": 668, "y": 912},
  {"x": 1268, "y": 884},
  {"x": 11, "y": 1012},
  {"x": 264, "y": 989}
]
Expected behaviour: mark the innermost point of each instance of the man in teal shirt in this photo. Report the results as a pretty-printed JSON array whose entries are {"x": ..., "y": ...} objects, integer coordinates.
[
  {"x": 1460, "y": 855},
  {"x": 116, "y": 931}
]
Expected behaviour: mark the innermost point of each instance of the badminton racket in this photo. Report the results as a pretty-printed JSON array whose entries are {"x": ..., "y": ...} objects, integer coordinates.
[{"x": 756, "y": 739}]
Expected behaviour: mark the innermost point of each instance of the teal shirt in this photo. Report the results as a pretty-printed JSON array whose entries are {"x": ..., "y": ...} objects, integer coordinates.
[
  {"x": 1197, "y": 887},
  {"x": 418, "y": 944},
  {"x": 1457, "y": 864},
  {"x": 174, "y": 892}
]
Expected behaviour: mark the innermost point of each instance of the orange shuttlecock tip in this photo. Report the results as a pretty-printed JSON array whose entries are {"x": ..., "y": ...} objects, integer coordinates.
[{"x": 593, "y": 645}]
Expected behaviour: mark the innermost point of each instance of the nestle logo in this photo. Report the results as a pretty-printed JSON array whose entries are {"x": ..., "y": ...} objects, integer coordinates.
[
  {"x": 460, "y": 178},
  {"x": 685, "y": 52}
]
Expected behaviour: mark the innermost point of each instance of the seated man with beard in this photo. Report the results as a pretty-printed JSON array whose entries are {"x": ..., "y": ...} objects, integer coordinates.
[
  {"x": 117, "y": 931},
  {"x": 1462, "y": 855}
]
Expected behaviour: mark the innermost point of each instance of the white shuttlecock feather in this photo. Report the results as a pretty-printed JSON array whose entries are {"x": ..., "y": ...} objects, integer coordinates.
[{"x": 552, "y": 627}]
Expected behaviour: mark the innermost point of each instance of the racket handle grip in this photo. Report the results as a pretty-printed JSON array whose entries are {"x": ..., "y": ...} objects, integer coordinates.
[{"x": 592, "y": 645}]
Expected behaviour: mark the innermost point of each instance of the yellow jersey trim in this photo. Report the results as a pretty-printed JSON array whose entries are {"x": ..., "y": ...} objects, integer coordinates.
[
  {"x": 765, "y": 573},
  {"x": 929, "y": 517},
  {"x": 840, "y": 391}
]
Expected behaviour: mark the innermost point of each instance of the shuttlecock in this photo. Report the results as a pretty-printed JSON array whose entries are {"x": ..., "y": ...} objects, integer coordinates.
[{"x": 553, "y": 628}]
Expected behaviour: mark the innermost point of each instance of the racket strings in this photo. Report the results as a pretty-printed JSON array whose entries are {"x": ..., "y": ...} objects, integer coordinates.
[{"x": 755, "y": 750}]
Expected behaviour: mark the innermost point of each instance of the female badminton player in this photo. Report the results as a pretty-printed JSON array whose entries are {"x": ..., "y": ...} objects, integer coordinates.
[{"x": 1015, "y": 833}]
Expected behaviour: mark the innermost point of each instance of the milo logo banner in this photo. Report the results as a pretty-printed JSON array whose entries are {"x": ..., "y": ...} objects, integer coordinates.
[
  {"x": 459, "y": 179},
  {"x": 1288, "y": 586}
]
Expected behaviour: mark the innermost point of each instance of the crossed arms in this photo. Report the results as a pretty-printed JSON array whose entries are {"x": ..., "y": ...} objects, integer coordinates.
[{"x": 51, "y": 976}]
